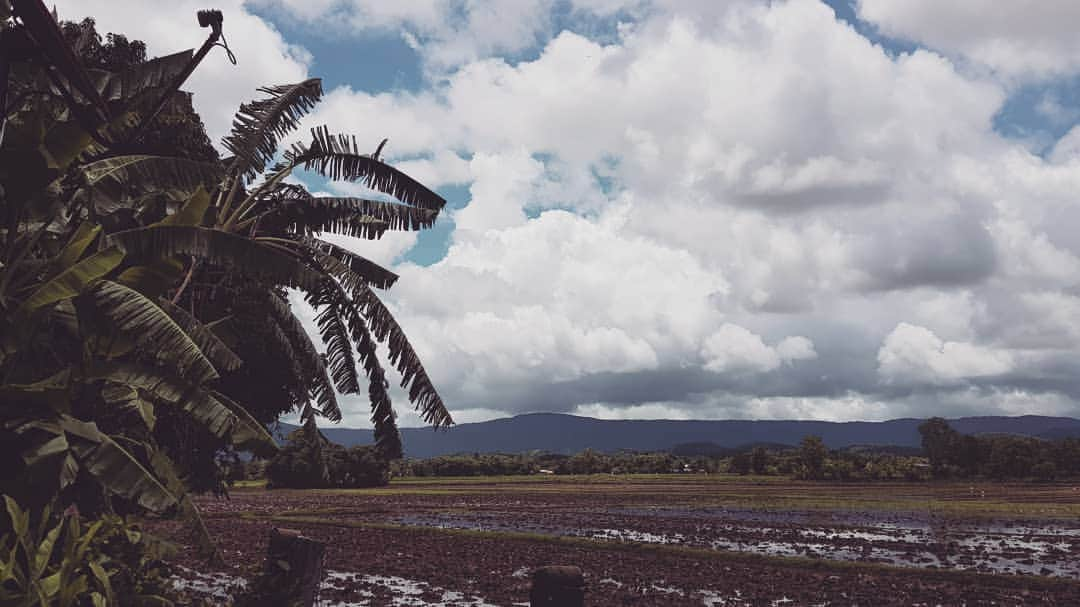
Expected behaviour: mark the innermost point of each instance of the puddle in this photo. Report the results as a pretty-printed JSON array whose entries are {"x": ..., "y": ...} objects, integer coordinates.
[
  {"x": 218, "y": 588},
  {"x": 403, "y": 592},
  {"x": 891, "y": 538}
]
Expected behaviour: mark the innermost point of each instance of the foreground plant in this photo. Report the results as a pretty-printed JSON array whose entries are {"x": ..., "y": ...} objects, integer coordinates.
[
  {"x": 60, "y": 561},
  {"x": 90, "y": 356}
]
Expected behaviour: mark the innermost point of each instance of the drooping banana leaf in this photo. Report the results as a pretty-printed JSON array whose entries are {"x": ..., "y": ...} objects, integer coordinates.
[
  {"x": 164, "y": 172},
  {"x": 113, "y": 466},
  {"x": 348, "y": 267},
  {"x": 260, "y": 124},
  {"x": 154, "y": 331},
  {"x": 218, "y": 248},
  {"x": 201, "y": 405},
  {"x": 126, "y": 84},
  {"x": 249, "y": 434},
  {"x": 339, "y": 354},
  {"x": 355, "y": 217},
  {"x": 338, "y": 157},
  {"x": 345, "y": 215},
  {"x": 127, "y": 397},
  {"x": 211, "y": 345},
  {"x": 314, "y": 367},
  {"x": 303, "y": 375},
  {"x": 414, "y": 377},
  {"x": 73, "y": 279},
  {"x": 333, "y": 298}
]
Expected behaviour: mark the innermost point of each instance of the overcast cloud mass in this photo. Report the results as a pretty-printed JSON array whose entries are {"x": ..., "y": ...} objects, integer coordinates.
[{"x": 704, "y": 208}]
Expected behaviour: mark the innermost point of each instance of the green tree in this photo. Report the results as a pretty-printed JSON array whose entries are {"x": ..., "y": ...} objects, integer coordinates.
[
  {"x": 759, "y": 460},
  {"x": 812, "y": 456},
  {"x": 741, "y": 463},
  {"x": 310, "y": 461},
  {"x": 88, "y": 359},
  {"x": 942, "y": 445},
  {"x": 260, "y": 236}
]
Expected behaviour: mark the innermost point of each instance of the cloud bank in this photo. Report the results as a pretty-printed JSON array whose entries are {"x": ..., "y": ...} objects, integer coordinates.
[{"x": 717, "y": 209}]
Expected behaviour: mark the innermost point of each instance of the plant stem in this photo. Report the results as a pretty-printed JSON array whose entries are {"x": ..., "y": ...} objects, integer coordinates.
[{"x": 187, "y": 280}]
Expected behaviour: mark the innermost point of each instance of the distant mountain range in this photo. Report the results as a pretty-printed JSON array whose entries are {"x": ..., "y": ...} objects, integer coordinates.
[{"x": 559, "y": 433}]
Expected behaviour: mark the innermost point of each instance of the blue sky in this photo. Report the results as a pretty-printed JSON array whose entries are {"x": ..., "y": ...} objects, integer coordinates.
[
  {"x": 702, "y": 208},
  {"x": 380, "y": 61}
]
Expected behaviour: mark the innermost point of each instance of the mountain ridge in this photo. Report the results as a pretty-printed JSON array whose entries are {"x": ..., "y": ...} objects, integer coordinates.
[{"x": 564, "y": 433}]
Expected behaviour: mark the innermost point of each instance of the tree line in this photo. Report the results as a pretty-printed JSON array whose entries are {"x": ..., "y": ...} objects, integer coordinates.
[
  {"x": 945, "y": 454},
  {"x": 997, "y": 456}
]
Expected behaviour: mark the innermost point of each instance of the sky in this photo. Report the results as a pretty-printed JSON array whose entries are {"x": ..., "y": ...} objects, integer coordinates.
[{"x": 700, "y": 209}]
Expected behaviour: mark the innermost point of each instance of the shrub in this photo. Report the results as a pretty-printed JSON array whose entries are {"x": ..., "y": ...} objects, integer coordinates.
[
  {"x": 311, "y": 461},
  {"x": 58, "y": 560}
]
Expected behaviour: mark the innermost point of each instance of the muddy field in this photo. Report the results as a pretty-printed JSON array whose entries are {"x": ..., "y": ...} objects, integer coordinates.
[{"x": 675, "y": 540}]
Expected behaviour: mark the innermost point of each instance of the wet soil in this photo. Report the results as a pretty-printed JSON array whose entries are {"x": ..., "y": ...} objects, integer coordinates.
[{"x": 654, "y": 544}]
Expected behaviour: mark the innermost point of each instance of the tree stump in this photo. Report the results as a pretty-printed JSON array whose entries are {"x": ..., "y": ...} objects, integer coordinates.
[
  {"x": 557, "y": 586},
  {"x": 295, "y": 564}
]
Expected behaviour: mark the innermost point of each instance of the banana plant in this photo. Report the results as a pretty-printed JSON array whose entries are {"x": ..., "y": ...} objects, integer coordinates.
[
  {"x": 80, "y": 406},
  {"x": 89, "y": 354},
  {"x": 60, "y": 562},
  {"x": 266, "y": 227}
]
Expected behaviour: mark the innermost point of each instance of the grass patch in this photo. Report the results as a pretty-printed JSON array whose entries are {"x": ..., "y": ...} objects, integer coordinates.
[{"x": 699, "y": 491}]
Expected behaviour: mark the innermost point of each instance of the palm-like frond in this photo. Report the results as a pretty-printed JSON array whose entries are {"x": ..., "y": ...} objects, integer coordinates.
[
  {"x": 339, "y": 354},
  {"x": 201, "y": 405},
  {"x": 414, "y": 377},
  {"x": 383, "y": 416},
  {"x": 73, "y": 279},
  {"x": 218, "y": 248},
  {"x": 348, "y": 267},
  {"x": 292, "y": 206},
  {"x": 212, "y": 346},
  {"x": 178, "y": 173},
  {"x": 332, "y": 297},
  {"x": 316, "y": 374},
  {"x": 249, "y": 433},
  {"x": 153, "y": 330},
  {"x": 338, "y": 157},
  {"x": 113, "y": 466},
  {"x": 152, "y": 74},
  {"x": 259, "y": 125},
  {"x": 127, "y": 397}
]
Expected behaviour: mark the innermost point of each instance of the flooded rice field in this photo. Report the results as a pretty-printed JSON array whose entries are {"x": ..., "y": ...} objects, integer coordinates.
[
  {"x": 1048, "y": 547},
  {"x": 663, "y": 541}
]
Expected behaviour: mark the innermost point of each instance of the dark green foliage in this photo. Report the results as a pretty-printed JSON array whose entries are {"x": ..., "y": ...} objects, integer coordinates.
[
  {"x": 586, "y": 462},
  {"x": 59, "y": 560},
  {"x": 741, "y": 463},
  {"x": 759, "y": 460},
  {"x": 998, "y": 456},
  {"x": 812, "y": 456},
  {"x": 92, "y": 366},
  {"x": 941, "y": 443},
  {"x": 115, "y": 54},
  {"x": 177, "y": 130},
  {"x": 142, "y": 299},
  {"x": 310, "y": 461}
]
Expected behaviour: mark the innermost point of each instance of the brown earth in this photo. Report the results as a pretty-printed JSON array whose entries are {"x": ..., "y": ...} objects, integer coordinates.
[{"x": 501, "y": 529}]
